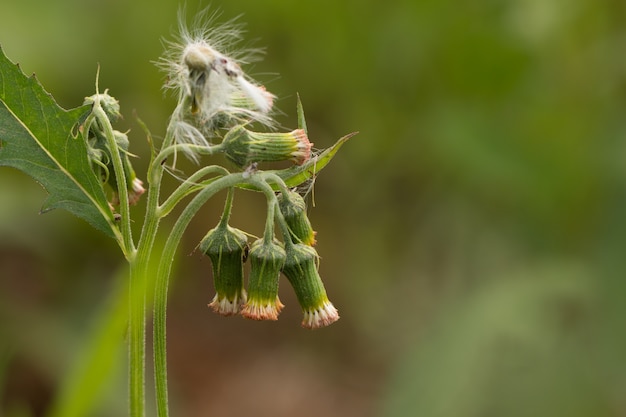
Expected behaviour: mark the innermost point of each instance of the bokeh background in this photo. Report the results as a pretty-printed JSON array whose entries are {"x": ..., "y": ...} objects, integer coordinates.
[{"x": 472, "y": 235}]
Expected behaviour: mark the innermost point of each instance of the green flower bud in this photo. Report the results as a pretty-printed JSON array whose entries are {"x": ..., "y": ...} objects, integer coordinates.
[
  {"x": 243, "y": 146},
  {"x": 227, "y": 247},
  {"x": 266, "y": 261},
  {"x": 301, "y": 271},
  {"x": 109, "y": 104},
  {"x": 133, "y": 184},
  {"x": 101, "y": 156},
  {"x": 293, "y": 209}
]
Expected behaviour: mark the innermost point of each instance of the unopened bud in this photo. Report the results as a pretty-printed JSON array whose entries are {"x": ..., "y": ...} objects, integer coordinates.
[
  {"x": 243, "y": 146},
  {"x": 301, "y": 271},
  {"x": 133, "y": 184},
  {"x": 109, "y": 104},
  {"x": 266, "y": 261},
  {"x": 293, "y": 209},
  {"x": 226, "y": 246}
]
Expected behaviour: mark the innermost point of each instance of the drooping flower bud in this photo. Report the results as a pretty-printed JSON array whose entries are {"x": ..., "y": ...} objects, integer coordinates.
[
  {"x": 243, "y": 146},
  {"x": 293, "y": 209},
  {"x": 133, "y": 184},
  {"x": 301, "y": 271},
  {"x": 266, "y": 261},
  {"x": 227, "y": 247}
]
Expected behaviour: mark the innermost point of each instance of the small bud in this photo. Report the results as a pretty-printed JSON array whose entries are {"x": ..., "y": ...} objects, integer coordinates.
[
  {"x": 301, "y": 271},
  {"x": 243, "y": 146},
  {"x": 293, "y": 209},
  {"x": 226, "y": 246},
  {"x": 266, "y": 261},
  {"x": 133, "y": 184},
  {"x": 109, "y": 104}
]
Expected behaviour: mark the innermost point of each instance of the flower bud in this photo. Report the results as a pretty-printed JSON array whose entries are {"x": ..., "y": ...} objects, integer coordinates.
[
  {"x": 227, "y": 247},
  {"x": 243, "y": 146},
  {"x": 266, "y": 261},
  {"x": 109, "y": 104},
  {"x": 293, "y": 209},
  {"x": 301, "y": 271},
  {"x": 133, "y": 184}
]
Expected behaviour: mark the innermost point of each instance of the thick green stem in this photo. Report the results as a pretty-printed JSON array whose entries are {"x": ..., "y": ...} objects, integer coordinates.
[
  {"x": 162, "y": 282},
  {"x": 139, "y": 285}
]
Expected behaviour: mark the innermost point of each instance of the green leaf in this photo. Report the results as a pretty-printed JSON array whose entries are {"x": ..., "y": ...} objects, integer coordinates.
[
  {"x": 36, "y": 137},
  {"x": 298, "y": 174},
  {"x": 301, "y": 119}
]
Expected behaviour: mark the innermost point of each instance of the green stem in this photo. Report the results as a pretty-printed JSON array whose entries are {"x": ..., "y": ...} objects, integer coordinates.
[
  {"x": 162, "y": 282},
  {"x": 272, "y": 203},
  {"x": 228, "y": 207},
  {"x": 139, "y": 273},
  {"x": 187, "y": 187},
  {"x": 162, "y": 156},
  {"x": 128, "y": 246}
]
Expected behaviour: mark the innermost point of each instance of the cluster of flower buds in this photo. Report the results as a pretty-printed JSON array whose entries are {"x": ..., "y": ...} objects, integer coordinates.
[
  {"x": 296, "y": 259},
  {"x": 217, "y": 101},
  {"x": 100, "y": 152}
]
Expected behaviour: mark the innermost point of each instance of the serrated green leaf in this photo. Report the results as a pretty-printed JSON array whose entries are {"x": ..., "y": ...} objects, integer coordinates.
[{"x": 36, "y": 138}]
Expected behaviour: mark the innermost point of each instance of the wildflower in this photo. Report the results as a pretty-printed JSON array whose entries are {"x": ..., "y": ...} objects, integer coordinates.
[
  {"x": 266, "y": 259},
  {"x": 211, "y": 85},
  {"x": 227, "y": 247},
  {"x": 301, "y": 271},
  {"x": 293, "y": 208},
  {"x": 243, "y": 146}
]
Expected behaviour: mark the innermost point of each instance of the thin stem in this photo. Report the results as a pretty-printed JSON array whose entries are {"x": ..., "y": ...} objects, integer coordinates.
[
  {"x": 272, "y": 203},
  {"x": 122, "y": 190},
  {"x": 228, "y": 207},
  {"x": 271, "y": 177},
  {"x": 187, "y": 187},
  {"x": 268, "y": 235},
  {"x": 162, "y": 282},
  {"x": 197, "y": 149}
]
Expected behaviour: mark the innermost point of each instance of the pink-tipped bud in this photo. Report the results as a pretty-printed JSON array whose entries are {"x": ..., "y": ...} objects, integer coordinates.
[
  {"x": 244, "y": 147},
  {"x": 266, "y": 261},
  {"x": 301, "y": 271},
  {"x": 293, "y": 208},
  {"x": 227, "y": 247}
]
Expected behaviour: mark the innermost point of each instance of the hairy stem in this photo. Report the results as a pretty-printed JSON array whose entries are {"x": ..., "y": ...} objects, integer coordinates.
[
  {"x": 128, "y": 246},
  {"x": 162, "y": 283},
  {"x": 189, "y": 186}
]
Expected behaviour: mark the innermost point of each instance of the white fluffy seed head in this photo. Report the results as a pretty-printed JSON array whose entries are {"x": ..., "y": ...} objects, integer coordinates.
[{"x": 203, "y": 67}]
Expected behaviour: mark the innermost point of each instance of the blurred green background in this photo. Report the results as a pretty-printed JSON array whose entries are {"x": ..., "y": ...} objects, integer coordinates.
[{"x": 472, "y": 235}]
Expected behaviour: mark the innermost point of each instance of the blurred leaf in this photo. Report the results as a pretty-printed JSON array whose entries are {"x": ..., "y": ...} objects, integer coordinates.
[
  {"x": 36, "y": 138},
  {"x": 82, "y": 388},
  {"x": 472, "y": 361}
]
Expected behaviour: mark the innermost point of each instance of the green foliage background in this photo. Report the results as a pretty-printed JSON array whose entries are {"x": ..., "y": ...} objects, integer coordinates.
[{"x": 472, "y": 235}]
